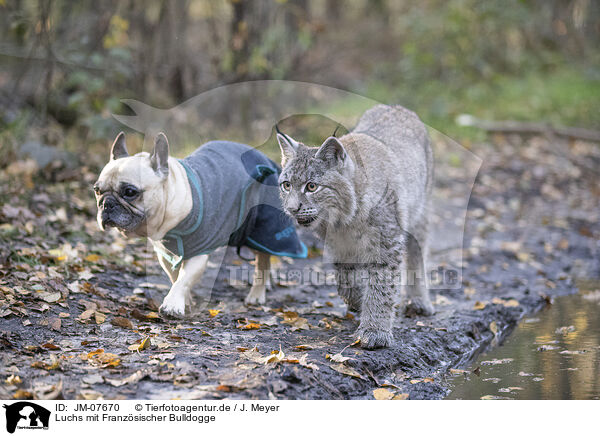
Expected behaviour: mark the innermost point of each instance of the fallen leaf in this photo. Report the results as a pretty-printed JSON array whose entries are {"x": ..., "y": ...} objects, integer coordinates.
[
  {"x": 274, "y": 357},
  {"x": 564, "y": 330},
  {"x": 249, "y": 326},
  {"x": 93, "y": 379},
  {"x": 213, "y": 312},
  {"x": 92, "y": 258},
  {"x": 346, "y": 370},
  {"x": 99, "y": 317},
  {"x": 497, "y": 361},
  {"x": 510, "y": 389},
  {"x": 100, "y": 358},
  {"x": 479, "y": 305},
  {"x": 142, "y": 345},
  {"x": 85, "y": 315},
  {"x": 133, "y": 378},
  {"x": 55, "y": 324},
  {"x": 13, "y": 380},
  {"x": 424, "y": 380},
  {"x": 122, "y": 322},
  {"x": 506, "y": 303},
  {"x": 50, "y": 297},
  {"x": 546, "y": 347},
  {"x": 383, "y": 394},
  {"x": 22, "y": 394},
  {"x": 48, "y": 366},
  {"x": 303, "y": 362},
  {"x": 402, "y": 396},
  {"x": 494, "y": 327},
  {"x": 337, "y": 357}
]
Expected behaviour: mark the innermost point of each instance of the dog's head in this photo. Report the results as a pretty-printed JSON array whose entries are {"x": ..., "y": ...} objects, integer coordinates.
[{"x": 130, "y": 190}]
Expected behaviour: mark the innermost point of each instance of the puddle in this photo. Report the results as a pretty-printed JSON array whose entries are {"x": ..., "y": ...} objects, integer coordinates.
[{"x": 553, "y": 355}]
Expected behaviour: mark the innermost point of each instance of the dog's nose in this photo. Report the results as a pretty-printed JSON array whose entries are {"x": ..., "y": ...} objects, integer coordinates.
[{"x": 109, "y": 203}]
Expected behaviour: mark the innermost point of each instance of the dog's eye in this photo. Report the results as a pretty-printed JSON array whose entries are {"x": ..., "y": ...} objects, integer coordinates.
[
  {"x": 96, "y": 189},
  {"x": 311, "y": 187},
  {"x": 129, "y": 192},
  {"x": 286, "y": 186}
]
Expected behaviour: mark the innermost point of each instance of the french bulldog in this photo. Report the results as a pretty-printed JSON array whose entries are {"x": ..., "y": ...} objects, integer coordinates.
[{"x": 223, "y": 194}]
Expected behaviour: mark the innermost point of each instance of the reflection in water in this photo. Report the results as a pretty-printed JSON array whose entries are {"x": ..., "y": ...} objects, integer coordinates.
[{"x": 553, "y": 355}]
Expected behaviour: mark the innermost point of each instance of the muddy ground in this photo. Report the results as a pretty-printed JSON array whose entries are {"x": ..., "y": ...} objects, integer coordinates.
[{"x": 78, "y": 307}]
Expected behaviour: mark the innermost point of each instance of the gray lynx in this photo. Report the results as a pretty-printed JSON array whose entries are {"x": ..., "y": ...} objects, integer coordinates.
[{"x": 366, "y": 195}]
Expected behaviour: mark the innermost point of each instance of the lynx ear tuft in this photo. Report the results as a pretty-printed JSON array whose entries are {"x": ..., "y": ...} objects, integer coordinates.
[
  {"x": 332, "y": 151},
  {"x": 119, "y": 148},
  {"x": 288, "y": 147},
  {"x": 159, "y": 159}
]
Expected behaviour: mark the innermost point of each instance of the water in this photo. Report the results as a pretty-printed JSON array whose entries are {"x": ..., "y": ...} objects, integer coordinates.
[{"x": 554, "y": 354}]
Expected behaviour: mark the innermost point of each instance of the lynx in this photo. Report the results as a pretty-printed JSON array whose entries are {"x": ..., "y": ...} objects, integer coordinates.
[{"x": 366, "y": 195}]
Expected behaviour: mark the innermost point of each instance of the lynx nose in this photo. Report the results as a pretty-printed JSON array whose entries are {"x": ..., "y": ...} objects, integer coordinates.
[{"x": 294, "y": 208}]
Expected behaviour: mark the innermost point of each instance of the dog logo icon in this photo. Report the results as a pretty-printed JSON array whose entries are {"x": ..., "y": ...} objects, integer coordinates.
[{"x": 26, "y": 415}]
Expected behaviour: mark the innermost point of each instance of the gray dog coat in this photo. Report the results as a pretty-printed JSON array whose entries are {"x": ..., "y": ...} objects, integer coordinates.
[{"x": 236, "y": 202}]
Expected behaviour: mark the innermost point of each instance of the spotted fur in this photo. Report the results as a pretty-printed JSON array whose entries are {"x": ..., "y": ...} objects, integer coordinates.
[{"x": 370, "y": 208}]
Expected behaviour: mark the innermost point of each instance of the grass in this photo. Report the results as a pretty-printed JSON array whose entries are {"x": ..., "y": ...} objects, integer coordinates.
[{"x": 566, "y": 96}]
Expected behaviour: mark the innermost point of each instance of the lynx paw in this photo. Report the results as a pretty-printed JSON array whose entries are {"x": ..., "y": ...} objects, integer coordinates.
[
  {"x": 257, "y": 295},
  {"x": 372, "y": 338},
  {"x": 418, "y": 306}
]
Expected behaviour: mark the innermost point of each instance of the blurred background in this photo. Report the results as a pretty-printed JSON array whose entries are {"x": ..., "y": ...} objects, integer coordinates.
[{"x": 65, "y": 65}]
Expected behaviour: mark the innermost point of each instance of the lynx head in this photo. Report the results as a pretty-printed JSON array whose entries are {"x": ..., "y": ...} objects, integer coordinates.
[{"x": 316, "y": 183}]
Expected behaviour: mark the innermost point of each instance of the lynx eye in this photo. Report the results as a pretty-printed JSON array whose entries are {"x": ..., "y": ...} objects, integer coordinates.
[
  {"x": 311, "y": 187},
  {"x": 286, "y": 186}
]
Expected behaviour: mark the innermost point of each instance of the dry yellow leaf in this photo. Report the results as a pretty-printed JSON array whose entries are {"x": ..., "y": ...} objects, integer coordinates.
[
  {"x": 494, "y": 327},
  {"x": 383, "y": 394},
  {"x": 400, "y": 397},
  {"x": 337, "y": 357},
  {"x": 274, "y": 357},
  {"x": 99, "y": 317},
  {"x": 249, "y": 326},
  {"x": 479, "y": 305},
  {"x": 92, "y": 258},
  {"x": 145, "y": 343},
  {"x": 13, "y": 380},
  {"x": 506, "y": 303},
  {"x": 346, "y": 370},
  {"x": 213, "y": 312}
]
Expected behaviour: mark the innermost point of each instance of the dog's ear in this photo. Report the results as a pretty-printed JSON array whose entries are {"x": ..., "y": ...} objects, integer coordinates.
[
  {"x": 159, "y": 159},
  {"x": 119, "y": 148}
]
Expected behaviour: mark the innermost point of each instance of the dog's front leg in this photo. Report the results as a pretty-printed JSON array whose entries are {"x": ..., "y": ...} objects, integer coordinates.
[
  {"x": 262, "y": 274},
  {"x": 190, "y": 273}
]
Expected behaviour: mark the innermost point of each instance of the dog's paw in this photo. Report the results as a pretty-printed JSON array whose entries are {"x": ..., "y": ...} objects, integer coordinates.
[
  {"x": 257, "y": 295},
  {"x": 418, "y": 306},
  {"x": 372, "y": 338},
  {"x": 173, "y": 306}
]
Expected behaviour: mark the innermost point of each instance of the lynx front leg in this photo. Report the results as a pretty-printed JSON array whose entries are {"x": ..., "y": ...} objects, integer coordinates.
[
  {"x": 377, "y": 311},
  {"x": 179, "y": 296},
  {"x": 349, "y": 286},
  {"x": 262, "y": 273},
  {"x": 416, "y": 280}
]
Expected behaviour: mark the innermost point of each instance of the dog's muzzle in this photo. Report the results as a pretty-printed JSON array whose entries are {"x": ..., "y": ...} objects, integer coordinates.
[{"x": 112, "y": 212}]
